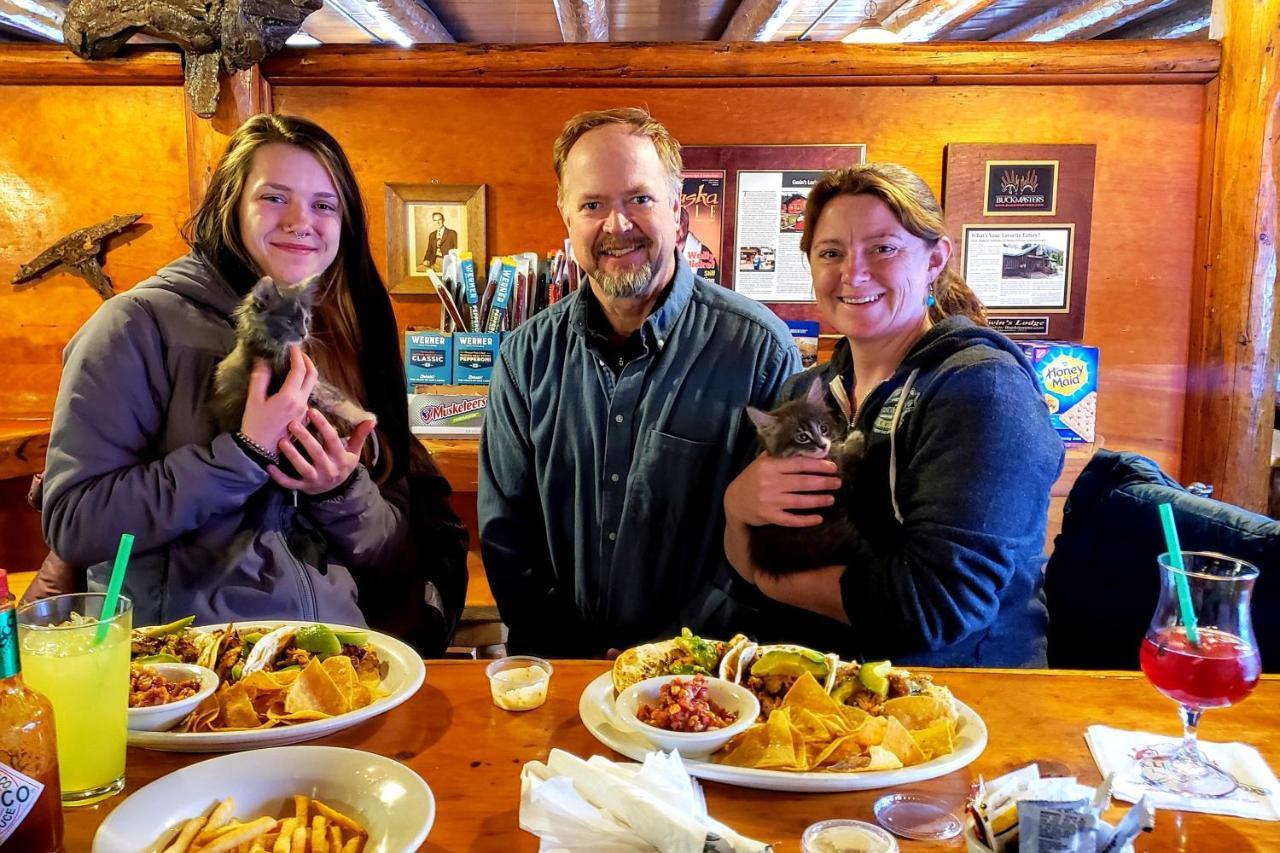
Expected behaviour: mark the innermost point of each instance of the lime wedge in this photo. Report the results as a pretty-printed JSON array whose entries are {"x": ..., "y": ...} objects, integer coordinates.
[
  {"x": 874, "y": 676},
  {"x": 317, "y": 639},
  {"x": 352, "y": 638}
]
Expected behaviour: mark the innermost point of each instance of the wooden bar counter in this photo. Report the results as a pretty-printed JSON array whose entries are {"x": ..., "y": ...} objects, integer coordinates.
[{"x": 470, "y": 753}]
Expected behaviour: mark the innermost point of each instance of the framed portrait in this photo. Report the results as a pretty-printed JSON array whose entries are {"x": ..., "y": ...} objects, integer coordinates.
[{"x": 425, "y": 221}]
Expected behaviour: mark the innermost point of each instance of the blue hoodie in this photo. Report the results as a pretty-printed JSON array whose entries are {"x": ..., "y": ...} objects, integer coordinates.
[{"x": 953, "y": 577}]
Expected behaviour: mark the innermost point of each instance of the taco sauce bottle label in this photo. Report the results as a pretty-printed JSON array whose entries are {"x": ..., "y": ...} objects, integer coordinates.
[{"x": 30, "y": 796}]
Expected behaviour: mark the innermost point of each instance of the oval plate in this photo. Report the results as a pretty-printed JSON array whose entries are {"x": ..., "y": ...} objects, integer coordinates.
[
  {"x": 405, "y": 674},
  {"x": 595, "y": 708},
  {"x": 392, "y": 802}
]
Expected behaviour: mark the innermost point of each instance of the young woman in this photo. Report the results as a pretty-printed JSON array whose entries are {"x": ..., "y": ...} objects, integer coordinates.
[
  {"x": 952, "y": 497},
  {"x": 222, "y": 532}
]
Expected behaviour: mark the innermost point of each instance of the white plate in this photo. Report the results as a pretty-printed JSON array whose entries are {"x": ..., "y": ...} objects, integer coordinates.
[
  {"x": 391, "y": 801},
  {"x": 405, "y": 674},
  {"x": 596, "y": 710}
]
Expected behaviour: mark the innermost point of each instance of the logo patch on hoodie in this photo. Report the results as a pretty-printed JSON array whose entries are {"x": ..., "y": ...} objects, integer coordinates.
[{"x": 884, "y": 419}]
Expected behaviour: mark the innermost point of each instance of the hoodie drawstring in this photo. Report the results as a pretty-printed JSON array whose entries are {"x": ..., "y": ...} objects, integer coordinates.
[{"x": 893, "y": 443}]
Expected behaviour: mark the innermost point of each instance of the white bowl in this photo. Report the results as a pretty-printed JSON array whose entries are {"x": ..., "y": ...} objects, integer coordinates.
[
  {"x": 731, "y": 697},
  {"x": 391, "y": 801},
  {"x": 159, "y": 718}
]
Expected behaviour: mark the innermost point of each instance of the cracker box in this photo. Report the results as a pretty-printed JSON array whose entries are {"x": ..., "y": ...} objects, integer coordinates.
[
  {"x": 805, "y": 334},
  {"x": 447, "y": 415},
  {"x": 474, "y": 354},
  {"x": 428, "y": 359},
  {"x": 1068, "y": 376}
]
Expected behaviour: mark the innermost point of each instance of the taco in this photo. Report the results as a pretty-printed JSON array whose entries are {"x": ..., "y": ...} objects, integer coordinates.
[
  {"x": 172, "y": 643},
  {"x": 770, "y": 671},
  {"x": 683, "y": 655},
  {"x": 869, "y": 685}
]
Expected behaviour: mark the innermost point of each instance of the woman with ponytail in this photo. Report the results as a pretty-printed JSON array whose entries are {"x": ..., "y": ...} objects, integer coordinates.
[{"x": 951, "y": 499}]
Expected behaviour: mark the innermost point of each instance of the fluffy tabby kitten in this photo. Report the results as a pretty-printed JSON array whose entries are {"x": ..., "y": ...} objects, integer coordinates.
[
  {"x": 269, "y": 320},
  {"x": 805, "y": 427}
]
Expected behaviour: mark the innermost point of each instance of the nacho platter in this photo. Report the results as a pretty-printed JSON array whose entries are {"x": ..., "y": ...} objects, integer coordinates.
[
  {"x": 404, "y": 674},
  {"x": 596, "y": 710}
]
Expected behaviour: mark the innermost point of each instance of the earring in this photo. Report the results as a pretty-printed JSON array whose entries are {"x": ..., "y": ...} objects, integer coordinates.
[{"x": 929, "y": 300}]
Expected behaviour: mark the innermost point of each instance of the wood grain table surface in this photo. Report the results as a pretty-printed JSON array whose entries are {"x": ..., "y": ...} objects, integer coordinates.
[{"x": 470, "y": 753}]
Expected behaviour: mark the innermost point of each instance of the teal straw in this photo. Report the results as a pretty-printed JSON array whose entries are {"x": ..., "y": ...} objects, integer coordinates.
[
  {"x": 1179, "y": 579},
  {"x": 113, "y": 587}
]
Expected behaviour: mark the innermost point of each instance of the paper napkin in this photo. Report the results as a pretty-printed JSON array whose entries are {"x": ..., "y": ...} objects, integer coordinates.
[
  {"x": 1258, "y": 797},
  {"x": 600, "y": 805}
]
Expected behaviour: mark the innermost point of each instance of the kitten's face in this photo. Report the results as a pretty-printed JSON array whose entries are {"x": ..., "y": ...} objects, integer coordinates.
[
  {"x": 281, "y": 314},
  {"x": 801, "y": 427}
]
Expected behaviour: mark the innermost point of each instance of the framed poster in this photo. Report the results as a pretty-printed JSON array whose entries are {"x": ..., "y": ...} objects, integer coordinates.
[
  {"x": 763, "y": 196},
  {"x": 1020, "y": 217},
  {"x": 426, "y": 221},
  {"x": 701, "y": 217}
]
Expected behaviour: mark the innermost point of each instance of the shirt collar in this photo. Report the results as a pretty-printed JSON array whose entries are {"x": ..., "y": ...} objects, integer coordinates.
[{"x": 660, "y": 321}]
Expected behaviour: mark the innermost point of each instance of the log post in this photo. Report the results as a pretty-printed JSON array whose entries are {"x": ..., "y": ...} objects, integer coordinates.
[{"x": 1231, "y": 386}]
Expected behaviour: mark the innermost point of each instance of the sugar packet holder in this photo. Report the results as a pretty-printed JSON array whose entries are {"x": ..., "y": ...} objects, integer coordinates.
[{"x": 1021, "y": 811}]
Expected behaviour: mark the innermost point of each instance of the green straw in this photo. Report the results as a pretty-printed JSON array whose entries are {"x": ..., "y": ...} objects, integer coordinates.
[
  {"x": 113, "y": 587},
  {"x": 1179, "y": 579}
]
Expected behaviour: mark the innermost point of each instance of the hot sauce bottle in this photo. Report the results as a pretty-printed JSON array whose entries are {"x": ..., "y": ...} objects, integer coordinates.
[{"x": 30, "y": 796}]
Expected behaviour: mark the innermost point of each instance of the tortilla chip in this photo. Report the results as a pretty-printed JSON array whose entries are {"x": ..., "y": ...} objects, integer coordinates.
[
  {"x": 781, "y": 750},
  {"x": 900, "y": 742},
  {"x": 314, "y": 690},
  {"x": 938, "y": 739},
  {"x": 806, "y": 692},
  {"x": 746, "y": 749},
  {"x": 871, "y": 731},
  {"x": 882, "y": 759},
  {"x": 237, "y": 709},
  {"x": 916, "y": 712}
]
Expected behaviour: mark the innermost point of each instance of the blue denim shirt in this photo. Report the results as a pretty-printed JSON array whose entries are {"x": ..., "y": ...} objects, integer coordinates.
[{"x": 600, "y": 497}]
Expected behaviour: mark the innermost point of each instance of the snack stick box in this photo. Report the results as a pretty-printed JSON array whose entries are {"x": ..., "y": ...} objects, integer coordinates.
[
  {"x": 1068, "y": 376},
  {"x": 474, "y": 354},
  {"x": 447, "y": 415},
  {"x": 428, "y": 359}
]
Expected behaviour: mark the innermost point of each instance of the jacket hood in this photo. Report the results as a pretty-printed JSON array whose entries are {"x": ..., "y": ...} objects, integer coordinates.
[
  {"x": 948, "y": 338},
  {"x": 193, "y": 278}
]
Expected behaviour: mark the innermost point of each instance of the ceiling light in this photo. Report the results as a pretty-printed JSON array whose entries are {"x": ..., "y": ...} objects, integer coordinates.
[{"x": 870, "y": 31}]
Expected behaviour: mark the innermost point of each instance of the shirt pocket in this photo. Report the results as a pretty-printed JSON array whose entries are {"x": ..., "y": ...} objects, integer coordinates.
[{"x": 670, "y": 507}]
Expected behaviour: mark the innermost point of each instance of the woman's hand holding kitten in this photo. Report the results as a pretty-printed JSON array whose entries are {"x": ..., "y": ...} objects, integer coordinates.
[
  {"x": 769, "y": 489},
  {"x": 267, "y": 416},
  {"x": 323, "y": 460}
]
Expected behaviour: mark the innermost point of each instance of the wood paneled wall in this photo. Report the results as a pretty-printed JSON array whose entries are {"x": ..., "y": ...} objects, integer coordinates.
[
  {"x": 1144, "y": 203},
  {"x": 73, "y": 153}
]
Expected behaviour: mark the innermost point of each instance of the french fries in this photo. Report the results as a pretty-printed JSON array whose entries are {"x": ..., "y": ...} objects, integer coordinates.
[{"x": 312, "y": 827}]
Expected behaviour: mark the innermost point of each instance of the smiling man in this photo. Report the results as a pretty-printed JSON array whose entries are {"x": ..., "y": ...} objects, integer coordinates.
[{"x": 617, "y": 417}]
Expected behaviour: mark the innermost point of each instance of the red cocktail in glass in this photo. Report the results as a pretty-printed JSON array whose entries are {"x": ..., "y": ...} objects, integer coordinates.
[{"x": 1201, "y": 654}]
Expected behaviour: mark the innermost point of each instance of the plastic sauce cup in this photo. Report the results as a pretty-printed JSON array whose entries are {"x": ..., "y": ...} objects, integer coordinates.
[
  {"x": 519, "y": 682},
  {"x": 846, "y": 836}
]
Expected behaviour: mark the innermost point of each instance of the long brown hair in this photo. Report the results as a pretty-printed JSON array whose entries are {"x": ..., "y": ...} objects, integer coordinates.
[
  {"x": 354, "y": 341},
  {"x": 915, "y": 206}
]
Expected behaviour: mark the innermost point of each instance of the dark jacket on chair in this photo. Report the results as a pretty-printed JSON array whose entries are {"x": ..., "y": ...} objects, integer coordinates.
[{"x": 1102, "y": 581}]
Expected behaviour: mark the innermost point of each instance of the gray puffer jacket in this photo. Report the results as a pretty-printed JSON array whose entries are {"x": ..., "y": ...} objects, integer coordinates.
[{"x": 134, "y": 449}]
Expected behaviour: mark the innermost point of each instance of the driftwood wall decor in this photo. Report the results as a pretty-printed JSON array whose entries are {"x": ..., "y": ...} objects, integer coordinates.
[
  {"x": 78, "y": 251},
  {"x": 227, "y": 35}
]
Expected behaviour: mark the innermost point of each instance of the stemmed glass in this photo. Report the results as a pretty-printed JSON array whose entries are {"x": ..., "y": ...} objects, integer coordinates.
[{"x": 1212, "y": 662}]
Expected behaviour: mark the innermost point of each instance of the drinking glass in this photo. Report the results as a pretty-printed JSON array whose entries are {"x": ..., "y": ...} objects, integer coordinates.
[
  {"x": 87, "y": 682},
  {"x": 1214, "y": 665}
]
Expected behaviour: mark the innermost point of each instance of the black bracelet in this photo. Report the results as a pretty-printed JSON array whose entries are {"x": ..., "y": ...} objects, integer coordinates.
[{"x": 255, "y": 449}]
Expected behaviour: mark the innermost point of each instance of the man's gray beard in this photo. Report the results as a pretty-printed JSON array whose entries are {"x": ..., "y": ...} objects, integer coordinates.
[{"x": 628, "y": 285}]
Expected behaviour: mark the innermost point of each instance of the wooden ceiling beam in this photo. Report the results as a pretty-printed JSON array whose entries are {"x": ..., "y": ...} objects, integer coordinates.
[
  {"x": 924, "y": 20},
  {"x": 1082, "y": 19},
  {"x": 702, "y": 64},
  {"x": 583, "y": 20},
  {"x": 758, "y": 20},
  {"x": 1188, "y": 22}
]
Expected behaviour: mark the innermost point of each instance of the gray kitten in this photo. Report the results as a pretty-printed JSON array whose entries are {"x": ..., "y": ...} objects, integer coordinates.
[
  {"x": 805, "y": 427},
  {"x": 270, "y": 320}
]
